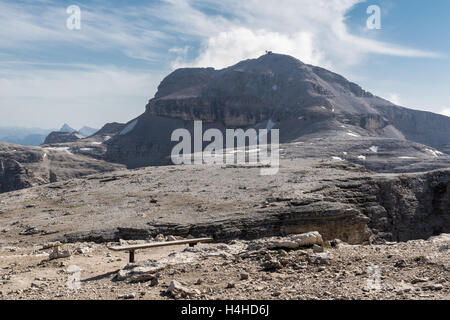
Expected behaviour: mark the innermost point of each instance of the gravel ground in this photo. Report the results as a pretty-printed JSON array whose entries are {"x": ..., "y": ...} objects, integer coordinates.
[{"x": 418, "y": 269}]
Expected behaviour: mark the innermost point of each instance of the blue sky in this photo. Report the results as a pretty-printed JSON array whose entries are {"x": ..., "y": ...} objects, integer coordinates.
[{"x": 111, "y": 67}]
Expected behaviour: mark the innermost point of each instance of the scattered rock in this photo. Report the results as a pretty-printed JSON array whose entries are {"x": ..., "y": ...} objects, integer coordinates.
[
  {"x": 160, "y": 238},
  {"x": 171, "y": 238},
  {"x": 154, "y": 282},
  {"x": 58, "y": 253},
  {"x": 419, "y": 280},
  {"x": 140, "y": 273},
  {"x": 244, "y": 276},
  {"x": 30, "y": 231},
  {"x": 400, "y": 264},
  {"x": 231, "y": 285},
  {"x": 177, "y": 290},
  {"x": 320, "y": 258},
  {"x": 50, "y": 245},
  {"x": 318, "y": 249},
  {"x": 290, "y": 242},
  {"x": 272, "y": 265},
  {"x": 81, "y": 250},
  {"x": 127, "y": 296},
  {"x": 433, "y": 287}
]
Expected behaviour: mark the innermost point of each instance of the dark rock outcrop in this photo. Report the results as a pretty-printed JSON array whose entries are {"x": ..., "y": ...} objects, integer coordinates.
[
  {"x": 110, "y": 129},
  {"x": 62, "y": 137}
]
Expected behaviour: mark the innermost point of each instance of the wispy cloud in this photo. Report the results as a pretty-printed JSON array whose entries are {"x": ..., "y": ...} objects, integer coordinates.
[
  {"x": 125, "y": 50},
  {"x": 314, "y": 31}
]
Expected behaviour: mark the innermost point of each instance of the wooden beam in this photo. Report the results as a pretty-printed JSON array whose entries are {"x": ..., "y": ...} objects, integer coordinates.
[{"x": 159, "y": 244}]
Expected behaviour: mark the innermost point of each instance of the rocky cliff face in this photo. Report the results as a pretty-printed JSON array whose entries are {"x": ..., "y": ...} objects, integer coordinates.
[
  {"x": 412, "y": 207},
  {"x": 13, "y": 176},
  {"x": 22, "y": 167},
  {"x": 302, "y": 101},
  {"x": 400, "y": 208}
]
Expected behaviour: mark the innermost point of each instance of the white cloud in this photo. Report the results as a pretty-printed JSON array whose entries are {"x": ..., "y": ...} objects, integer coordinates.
[
  {"x": 313, "y": 31},
  {"x": 445, "y": 112},
  {"x": 231, "y": 46},
  {"x": 394, "y": 98}
]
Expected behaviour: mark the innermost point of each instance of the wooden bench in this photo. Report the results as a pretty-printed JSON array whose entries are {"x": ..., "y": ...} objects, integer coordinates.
[{"x": 132, "y": 248}]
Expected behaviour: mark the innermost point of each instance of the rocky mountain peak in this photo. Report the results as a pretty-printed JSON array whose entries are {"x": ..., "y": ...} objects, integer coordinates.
[
  {"x": 303, "y": 102},
  {"x": 66, "y": 128}
]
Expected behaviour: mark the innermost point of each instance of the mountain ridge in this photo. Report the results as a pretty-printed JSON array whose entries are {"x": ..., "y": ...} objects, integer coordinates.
[{"x": 302, "y": 100}]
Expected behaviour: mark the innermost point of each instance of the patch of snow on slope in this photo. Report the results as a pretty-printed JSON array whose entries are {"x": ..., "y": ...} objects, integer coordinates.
[
  {"x": 129, "y": 127},
  {"x": 374, "y": 149},
  {"x": 435, "y": 153},
  {"x": 362, "y": 157},
  {"x": 353, "y": 134},
  {"x": 337, "y": 158},
  {"x": 66, "y": 149}
]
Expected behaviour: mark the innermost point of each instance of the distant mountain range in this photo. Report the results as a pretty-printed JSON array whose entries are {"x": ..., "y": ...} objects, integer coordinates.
[
  {"x": 84, "y": 131},
  {"x": 37, "y": 136},
  {"x": 23, "y": 136}
]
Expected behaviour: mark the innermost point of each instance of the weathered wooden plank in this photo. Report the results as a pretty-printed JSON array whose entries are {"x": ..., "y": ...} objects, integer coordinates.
[{"x": 159, "y": 244}]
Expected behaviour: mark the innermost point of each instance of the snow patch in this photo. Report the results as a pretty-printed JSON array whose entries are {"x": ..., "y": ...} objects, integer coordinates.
[
  {"x": 374, "y": 149},
  {"x": 435, "y": 153},
  {"x": 362, "y": 157},
  {"x": 66, "y": 149},
  {"x": 337, "y": 158},
  {"x": 353, "y": 134}
]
